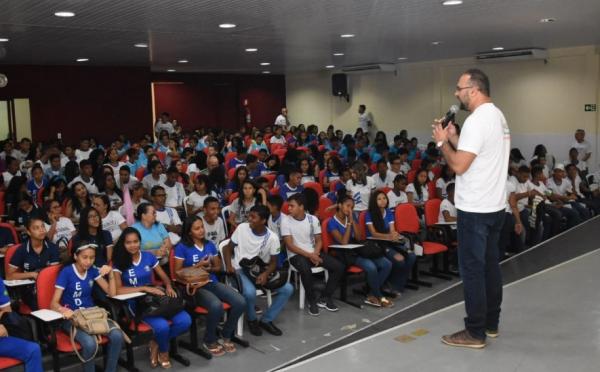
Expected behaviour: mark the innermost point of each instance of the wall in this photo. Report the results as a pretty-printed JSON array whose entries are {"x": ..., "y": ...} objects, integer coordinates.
[
  {"x": 543, "y": 103},
  {"x": 82, "y": 101},
  {"x": 215, "y": 101}
]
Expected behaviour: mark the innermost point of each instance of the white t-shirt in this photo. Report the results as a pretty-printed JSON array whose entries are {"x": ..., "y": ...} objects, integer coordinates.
[
  {"x": 576, "y": 186},
  {"x": 82, "y": 155},
  {"x": 280, "y": 140},
  {"x": 302, "y": 232},
  {"x": 541, "y": 188},
  {"x": 485, "y": 133},
  {"x": 111, "y": 224},
  {"x": 196, "y": 201},
  {"x": 175, "y": 195},
  {"x": 116, "y": 168},
  {"x": 6, "y": 176},
  {"x": 168, "y": 126},
  {"x": 583, "y": 148},
  {"x": 363, "y": 121},
  {"x": 388, "y": 181},
  {"x": 249, "y": 245},
  {"x": 281, "y": 121},
  {"x": 563, "y": 189},
  {"x": 64, "y": 231},
  {"x": 509, "y": 189},
  {"x": 441, "y": 184},
  {"x": 216, "y": 231},
  {"x": 424, "y": 192},
  {"x": 168, "y": 216},
  {"x": 90, "y": 186},
  {"x": 149, "y": 182},
  {"x": 396, "y": 199},
  {"x": 275, "y": 226},
  {"x": 521, "y": 188},
  {"x": 361, "y": 193},
  {"x": 448, "y": 207}
]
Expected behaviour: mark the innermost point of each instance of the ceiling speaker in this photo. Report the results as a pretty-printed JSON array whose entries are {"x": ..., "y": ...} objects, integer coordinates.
[{"x": 3, "y": 80}]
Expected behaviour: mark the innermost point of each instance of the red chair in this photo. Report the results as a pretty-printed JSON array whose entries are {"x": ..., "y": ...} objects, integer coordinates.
[
  {"x": 410, "y": 176},
  {"x": 415, "y": 164},
  {"x": 333, "y": 185},
  {"x": 280, "y": 153},
  {"x": 315, "y": 186},
  {"x": 161, "y": 156},
  {"x": 23, "y": 308},
  {"x": 274, "y": 190},
  {"x": 232, "y": 197},
  {"x": 271, "y": 178},
  {"x": 12, "y": 230},
  {"x": 39, "y": 198},
  {"x": 303, "y": 148},
  {"x": 322, "y": 177},
  {"x": 285, "y": 208},
  {"x": 386, "y": 189},
  {"x": 362, "y": 225},
  {"x": 407, "y": 223},
  {"x": 139, "y": 173},
  {"x": 431, "y": 189},
  {"x": 324, "y": 212},
  {"x": 437, "y": 171},
  {"x": 230, "y": 155},
  {"x": 8, "y": 362},
  {"x": 327, "y": 240},
  {"x": 2, "y": 204},
  {"x": 440, "y": 233},
  {"x": 231, "y": 173},
  {"x": 276, "y": 146}
]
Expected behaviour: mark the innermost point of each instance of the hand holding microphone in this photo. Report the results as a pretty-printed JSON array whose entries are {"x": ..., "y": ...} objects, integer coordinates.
[{"x": 443, "y": 128}]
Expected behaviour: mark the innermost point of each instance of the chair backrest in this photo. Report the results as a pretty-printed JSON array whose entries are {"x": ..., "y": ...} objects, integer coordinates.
[
  {"x": 322, "y": 177},
  {"x": 410, "y": 176},
  {"x": 437, "y": 171},
  {"x": 324, "y": 203},
  {"x": 172, "y": 264},
  {"x": 228, "y": 157},
  {"x": 8, "y": 256},
  {"x": 362, "y": 225},
  {"x": 285, "y": 207},
  {"x": 271, "y": 178},
  {"x": 431, "y": 189},
  {"x": 2, "y": 204},
  {"x": 333, "y": 185},
  {"x": 39, "y": 198},
  {"x": 326, "y": 238},
  {"x": 406, "y": 219},
  {"x": 231, "y": 173},
  {"x": 385, "y": 189},
  {"x": 139, "y": 173},
  {"x": 12, "y": 230},
  {"x": 432, "y": 211},
  {"x": 274, "y": 190},
  {"x": 232, "y": 197},
  {"x": 315, "y": 186},
  {"x": 416, "y": 163},
  {"x": 280, "y": 153},
  {"x": 45, "y": 285},
  {"x": 161, "y": 156}
]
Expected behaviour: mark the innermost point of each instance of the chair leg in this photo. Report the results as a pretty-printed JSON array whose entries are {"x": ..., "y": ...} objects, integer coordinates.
[
  {"x": 129, "y": 363},
  {"x": 55, "y": 361},
  {"x": 344, "y": 293},
  {"x": 302, "y": 295},
  {"x": 240, "y": 326},
  {"x": 415, "y": 276},
  {"x": 192, "y": 345},
  {"x": 174, "y": 354},
  {"x": 434, "y": 271}
]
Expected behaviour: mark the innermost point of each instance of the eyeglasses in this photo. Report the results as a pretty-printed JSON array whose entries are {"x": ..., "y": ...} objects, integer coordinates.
[{"x": 458, "y": 89}]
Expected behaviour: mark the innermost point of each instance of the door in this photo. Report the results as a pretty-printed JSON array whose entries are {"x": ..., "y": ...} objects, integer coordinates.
[{"x": 15, "y": 119}]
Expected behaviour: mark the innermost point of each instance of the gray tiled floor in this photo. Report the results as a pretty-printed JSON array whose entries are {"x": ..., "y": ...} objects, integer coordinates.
[{"x": 550, "y": 322}]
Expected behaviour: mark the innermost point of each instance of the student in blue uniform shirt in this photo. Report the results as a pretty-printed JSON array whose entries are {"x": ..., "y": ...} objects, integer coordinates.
[
  {"x": 292, "y": 186},
  {"x": 73, "y": 291},
  {"x": 31, "y": 257},
  {"x": 13, "y": 347},
  {"x": 133, "y": 273},
  {"x": 195, "y": 250}
]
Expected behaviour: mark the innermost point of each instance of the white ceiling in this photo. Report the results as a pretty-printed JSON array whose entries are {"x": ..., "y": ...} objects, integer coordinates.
[{"x": 293, "y": 35}]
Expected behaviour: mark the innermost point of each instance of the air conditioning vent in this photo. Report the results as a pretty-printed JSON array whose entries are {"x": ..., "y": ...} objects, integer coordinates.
[
  {"x": 512, "y": 55},
  {"x": 371, "y": 67}
]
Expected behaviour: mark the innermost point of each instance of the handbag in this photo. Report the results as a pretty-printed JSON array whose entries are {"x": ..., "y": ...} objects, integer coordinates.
[
  {"x": 17, "y": 325},
  {"x": 193, "y": 278},
  {"x": 255, "y": 266},
  {"x": 371, "y": 249},
  {"x": 159, "y": 305},
  {"x": 93, "y": 321}
]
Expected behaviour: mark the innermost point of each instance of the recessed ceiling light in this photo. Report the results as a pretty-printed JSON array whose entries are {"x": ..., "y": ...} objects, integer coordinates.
[
  {"x": 547, "y": 20},
  {"x": 265, "y": 64},
  {"x": 171, "y": 70},
  {"x": 3, "y": 39},
  {"x": 82, "y": 59},
  {"x": 330, "y": 66},
  {"x": 266, "y": 72},
  {"x": 338, "y": 54},
  {"x": 64, "y": 14},
  {"x": 347, "y": 35},
  {"x": 498, "y": 48},
  {"x": 227, "y": 25},
  {"x": 183, "y": 61},
  {"x": 452, "y": 2},
  {"x": 141, "y": 45},
  {"x": 402, "y": 58},
  {"x": 251, "y": 50},
  {"x": 436, "y": 43}
]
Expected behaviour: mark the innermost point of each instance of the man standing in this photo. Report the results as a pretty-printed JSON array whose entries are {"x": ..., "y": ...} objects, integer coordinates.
[
  {"x": 282, "y": 119},
  {"x": 583, "y": 147},
  {"x": 164, "y": 123},
  {"x": 365, "y": 120},
  {"x": 479, "y": 155}
]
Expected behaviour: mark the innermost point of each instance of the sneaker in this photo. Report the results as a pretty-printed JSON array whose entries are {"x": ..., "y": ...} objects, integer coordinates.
[
  {"x": 328, "y": 305},
  {"x": 254, "y": 328},
  {"x": 373, "y": 301},
  {"x": 270, "y": 327},
  {"x": 463, "y": 339},
  {"x": 313, "y": 309},
  {"x": 493, "y": 333}
]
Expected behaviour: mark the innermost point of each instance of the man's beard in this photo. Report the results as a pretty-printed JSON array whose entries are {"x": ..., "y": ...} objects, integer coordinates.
[{"x": 463, "y": 106}]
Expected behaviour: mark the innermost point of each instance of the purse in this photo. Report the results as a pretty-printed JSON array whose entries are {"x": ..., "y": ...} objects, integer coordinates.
[
  {"x": 371, "y": 249},
  {"x": 17, "y": 325},
  {"x": 162, "y": 306},
  {"x": 255, "y": 266},
  {"x": 93, "y": 321},
  {"x": 193, "y": 278}
]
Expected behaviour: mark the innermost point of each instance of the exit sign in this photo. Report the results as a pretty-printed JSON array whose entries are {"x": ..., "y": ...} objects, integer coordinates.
[{"x": 590, "y": 107}]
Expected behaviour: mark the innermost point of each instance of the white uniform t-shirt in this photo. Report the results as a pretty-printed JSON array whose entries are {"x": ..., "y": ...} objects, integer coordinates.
[
  {"x": 64, "y": 231},
  {"x": 441, "y": 184},
  {"x": 249, "y": 245},
  {"x": 215, "y": 232},
  {"x": 448, "y": 207},
  {"x": 175, "y": 195},
  {"x": 280, "y": 140},
  {"x": 481, "y": 189},
  {"x": 196, "y": 201},
  {"x": 521, "y": 188},
  {"x": 388, "y": 181},
  {"x": 361, "y": 193},
  {"x": 583, "y": 148},
  {"x": 90, "y": 186},
  {"x": 111, "y": 224},
  {"x": 281, "y": 121},
  {"x": 424, "y": 193},
  {"x": 82, "y": 155},
  {"x": 149, "y": 182},
  {"x": 363, "y": 121},
  {"x": 302, "y": 232},
  {"x": 563, "y": 189},
  {"x": 396, "y": 199}
]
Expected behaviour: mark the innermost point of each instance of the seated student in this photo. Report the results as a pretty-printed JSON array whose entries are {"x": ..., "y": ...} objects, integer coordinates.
[
  {"x": 253, "y": 239},
  {"x": 239, "y": 159},
  {"x": 278, "y": 137},
  {"x": 59, "y": 229},
  {"x": 309, "y": 173},
  {"x": 446, "y": 177},
  {"x": 155, "y": 238},
  {"x": 417, "y": 191},
  {"x": 80, "y": 198},
  {"x": 33, "y": 255},
  {"x": 13, "y": 347},
  {"x": 381, "y": 225},
  {"x": 90, "y": 231},
  {"x": 383, "y": 177},
  {"x": 343, "y": 229},
  {"x": 156, "y": 177},
  {"x": 195, "y": 250},
  {"x": 235, "y": 185},
  {"x": 57, "y": 190},
  {"x": 214, "y": 226},
  {"x": 112, "y": 221},
  {"x": 301, "y": 233},
  {"x": 85, "y": 177},
  {"x": 332, "y": 171},
  {"x": 257, "y": 144},
  {"x": 582, "y": 190},
  {"x": 137, "y": 193},
  {"x": 511, "y": 235},
  {"x": 250, "y": 196},
  {"x": 84, "y": 150},
  {"x": 166, "y": 215},
  {"x": 401, "y": 165},
  {"x": 292, "y": 186},
  {"x": 195, "y": 201},
  {"x": 397, "y": 195},
  {"x": 274, "y": 203},
  {"x": 522, "y": 190},
  {"x": 360, "y": 187},
  {"x": 108, "y": 187},
  {"x": 55, "y": 169},
  {"x": 73, "y": 290},
  {"x": 112, "y": 160},
  {"x": 448, "y": 211},
  {"x": 125, "y": 179},
  {"x": 562, "y": 192},
  {"x": 551, "y": 214},
  {"x": 174, "y": 190},
  {"x": 12, "y": 170},
  {"x": 133, "y": 273},
  {"x": 255, "y": 168},
  {"x": 24, "y": 210},
  {"x": 37, "y": 182}
]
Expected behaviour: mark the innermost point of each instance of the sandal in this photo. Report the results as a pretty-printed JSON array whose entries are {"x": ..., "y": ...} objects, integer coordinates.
[
  {"x": 228, "y": 346},
  {"x": 215, "y": 349},
  {"x": 163, "y": 359},
  {"x": 153, "y": 348},
  {"x": 373, "y": 301},
  {"x": 386, "y": 303}
]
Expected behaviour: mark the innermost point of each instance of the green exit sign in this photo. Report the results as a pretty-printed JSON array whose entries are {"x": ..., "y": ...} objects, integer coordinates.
[{"x": 590, "y": 107}]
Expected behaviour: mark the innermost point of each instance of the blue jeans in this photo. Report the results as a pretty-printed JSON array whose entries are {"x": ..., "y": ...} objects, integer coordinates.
[
  {"x": 88, "y": 346},
  {"x": 165, "y": 332},
  {"x": 26, "y": 351},
  {"x": 279, "y": 301},
  {"x": 401, "y": 268},
  {"x": 478, "y": 236},
  {"x": 377, "y": 271},
  {"x": 211, "y": 297}
]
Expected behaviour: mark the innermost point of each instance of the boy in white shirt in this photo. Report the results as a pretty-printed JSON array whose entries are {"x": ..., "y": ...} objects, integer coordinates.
[
  {"x": 214, "y": 226},
  {"x": 175, "y": 190},
  {"x": 397, "y": 195},
  {"x": 301, "y": 234},
  {"x": 562, "y": 192},
  {"x": 86, "y": 177},
  {"x": 384, "y": 177},
  {"x": 84, "y": 150},
  {"x": 165, "y": 215}
]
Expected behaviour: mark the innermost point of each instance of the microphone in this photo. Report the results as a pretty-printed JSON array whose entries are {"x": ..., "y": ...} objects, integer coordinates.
[{"x": 450, "y": 116}]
